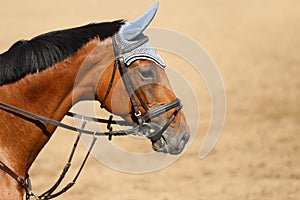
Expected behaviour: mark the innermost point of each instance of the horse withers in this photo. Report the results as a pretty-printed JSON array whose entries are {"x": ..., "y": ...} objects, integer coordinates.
[{"x": 43, "y": 76}]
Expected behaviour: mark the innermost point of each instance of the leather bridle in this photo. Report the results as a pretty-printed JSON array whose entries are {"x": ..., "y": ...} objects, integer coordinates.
[
  {"x": 140, "y": 126},
  {"x": 141, "y": 121}
]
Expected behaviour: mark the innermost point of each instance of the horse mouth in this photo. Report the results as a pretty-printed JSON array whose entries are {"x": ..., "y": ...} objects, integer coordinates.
[
  {"x": 160, "y": 146},
  {"x": 168, "y": 146}
]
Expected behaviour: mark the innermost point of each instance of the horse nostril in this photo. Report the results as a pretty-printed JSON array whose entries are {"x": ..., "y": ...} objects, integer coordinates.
[{"x": 185, "y": 137}]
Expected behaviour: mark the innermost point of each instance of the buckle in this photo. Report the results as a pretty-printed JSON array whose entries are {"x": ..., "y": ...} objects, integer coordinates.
[{"x": 138, "y": 114}]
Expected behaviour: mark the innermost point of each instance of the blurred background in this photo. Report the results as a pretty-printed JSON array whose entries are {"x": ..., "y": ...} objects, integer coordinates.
[{"x": 256, "y": 46}]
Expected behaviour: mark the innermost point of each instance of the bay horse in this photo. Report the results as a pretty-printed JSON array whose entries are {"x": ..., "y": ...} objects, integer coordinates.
[{"x": 41, "y": 75}]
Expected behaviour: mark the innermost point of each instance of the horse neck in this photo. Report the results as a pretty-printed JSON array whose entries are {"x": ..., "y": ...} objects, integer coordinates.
[{"x": 50, "y": 93}]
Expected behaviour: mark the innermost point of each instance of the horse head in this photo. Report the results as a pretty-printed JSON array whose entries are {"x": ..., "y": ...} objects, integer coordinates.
[{"x": 143, "y": 93}]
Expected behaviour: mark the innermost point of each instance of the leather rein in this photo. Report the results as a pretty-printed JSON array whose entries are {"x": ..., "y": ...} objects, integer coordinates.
[{"x": 140, "y": 126}]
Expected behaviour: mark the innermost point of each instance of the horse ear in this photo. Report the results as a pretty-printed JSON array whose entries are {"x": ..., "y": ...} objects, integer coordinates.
[{"x": 133, "y": 29}]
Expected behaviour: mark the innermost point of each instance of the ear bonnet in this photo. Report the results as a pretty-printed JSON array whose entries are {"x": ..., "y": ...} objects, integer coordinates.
[{"x": 132, "y": 44}]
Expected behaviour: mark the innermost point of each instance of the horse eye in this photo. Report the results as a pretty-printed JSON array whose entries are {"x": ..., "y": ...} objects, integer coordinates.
[{"x": 147, "y": 73}]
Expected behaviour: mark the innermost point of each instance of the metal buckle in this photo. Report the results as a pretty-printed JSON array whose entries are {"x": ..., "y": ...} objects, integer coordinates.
[{"x": 138, "y": 114}]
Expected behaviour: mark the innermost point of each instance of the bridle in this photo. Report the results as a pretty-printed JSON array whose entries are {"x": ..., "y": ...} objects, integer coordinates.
[
  {"x": 141, "y": 120},
  {"x": 140, "y": 126}
]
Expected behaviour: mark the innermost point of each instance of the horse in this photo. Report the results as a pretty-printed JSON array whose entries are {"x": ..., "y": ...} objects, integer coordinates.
[{"x": 45, "y": 76}]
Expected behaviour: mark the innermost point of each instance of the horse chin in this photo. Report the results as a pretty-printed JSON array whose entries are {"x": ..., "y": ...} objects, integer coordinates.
[
  {"x": 172, "y": 146},
  {"x": 160, "y": 146}
]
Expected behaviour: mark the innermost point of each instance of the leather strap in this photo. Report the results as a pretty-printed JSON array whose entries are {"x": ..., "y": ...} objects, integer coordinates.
[
  {"x": 154, "y": 112},
  {"x": 63, "y": 125},
  {"x": 130, "y": 91},
  {"x": 24, "y": 182},
  {"x": 109, "y": 85}
]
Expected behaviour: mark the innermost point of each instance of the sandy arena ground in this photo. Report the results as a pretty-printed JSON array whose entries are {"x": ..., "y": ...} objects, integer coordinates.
[{"x": 256, "y": 46}]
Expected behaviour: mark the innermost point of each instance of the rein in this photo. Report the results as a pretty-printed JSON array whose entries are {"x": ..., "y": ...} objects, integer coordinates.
[
  {"x": 25, "y": 183},
  {"x": 140, "y": 126}
]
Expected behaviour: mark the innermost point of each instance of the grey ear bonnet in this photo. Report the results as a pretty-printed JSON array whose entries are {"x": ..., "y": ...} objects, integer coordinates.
[{"x": 132, "y": 44}]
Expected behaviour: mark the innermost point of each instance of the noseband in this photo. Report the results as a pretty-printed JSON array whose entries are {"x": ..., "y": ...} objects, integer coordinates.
[{"x": 141, "y": 120}]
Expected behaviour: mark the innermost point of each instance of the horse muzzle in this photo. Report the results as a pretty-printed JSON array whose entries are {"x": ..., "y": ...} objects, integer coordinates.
[{"x": 168, "y": 142}]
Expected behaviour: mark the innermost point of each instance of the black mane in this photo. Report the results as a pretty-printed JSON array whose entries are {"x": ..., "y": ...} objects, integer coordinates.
[{"x": 28, "y": 56}]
